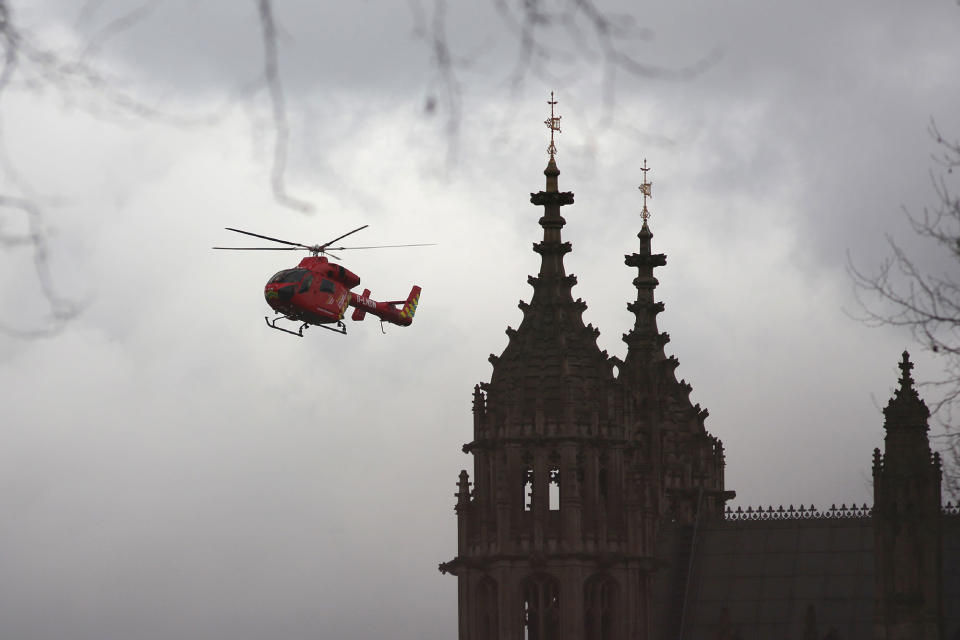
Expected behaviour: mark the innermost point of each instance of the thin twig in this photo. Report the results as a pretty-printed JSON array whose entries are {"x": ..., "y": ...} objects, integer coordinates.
[{"x": 281, "y": 130}]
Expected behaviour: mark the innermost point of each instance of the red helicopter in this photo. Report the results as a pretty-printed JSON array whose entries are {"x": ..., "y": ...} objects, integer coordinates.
[{"x": 317, "y": 292}]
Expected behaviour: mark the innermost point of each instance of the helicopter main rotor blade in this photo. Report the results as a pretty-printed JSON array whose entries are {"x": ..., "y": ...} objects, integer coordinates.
[
  {"x": 257, "y": 235},
  {"x": 261, "y": 248},
  {"x": 327, "y": 244},
  {"x": 386, "y": 246}
]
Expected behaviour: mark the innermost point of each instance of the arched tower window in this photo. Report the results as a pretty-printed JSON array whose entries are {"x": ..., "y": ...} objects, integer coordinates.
[
  {"x": 487, "y": 610},
  {"x": 554, "y": 490},
  {"x": 541, "y": 608},
  {"x": 527, "y": 480},
  {"x": 528, "y": 489},
  {"x": 600, "y": 608}
]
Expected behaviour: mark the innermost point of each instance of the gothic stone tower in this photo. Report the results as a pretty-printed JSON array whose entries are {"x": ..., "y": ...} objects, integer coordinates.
[
  {"x": 907, "y": 521},
  {"x": 577, "y": 459}
]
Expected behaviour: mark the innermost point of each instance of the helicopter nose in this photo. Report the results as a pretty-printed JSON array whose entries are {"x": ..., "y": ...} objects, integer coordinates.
[{"x": 277, "y": 295}]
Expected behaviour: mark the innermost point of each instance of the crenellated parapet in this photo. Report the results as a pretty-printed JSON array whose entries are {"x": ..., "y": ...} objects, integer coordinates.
[{"x": 843, "y": 512}]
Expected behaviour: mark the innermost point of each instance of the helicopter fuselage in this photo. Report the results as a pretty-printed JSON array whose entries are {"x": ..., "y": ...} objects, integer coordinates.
[{"x": 318, "y": 292}]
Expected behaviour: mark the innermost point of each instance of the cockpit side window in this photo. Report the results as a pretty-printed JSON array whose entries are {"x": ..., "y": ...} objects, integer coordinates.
[
  {"x": 305, "y": 286},
  {"x": 326, "y": 286}
]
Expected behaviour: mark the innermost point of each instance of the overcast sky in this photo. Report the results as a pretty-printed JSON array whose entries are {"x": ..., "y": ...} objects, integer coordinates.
[{"x": 171, "y": 468}]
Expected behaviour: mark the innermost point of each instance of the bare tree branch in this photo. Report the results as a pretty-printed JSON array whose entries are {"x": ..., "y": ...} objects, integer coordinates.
[
  {"x": 61, "y": 310},
  {"x": 117, "y": 25},
  {"x": 599, "y": 38},
  {"x": 442, "y": 60},
  {"x": 41, "y": 68},
  {"x": 281, "y": 130}
]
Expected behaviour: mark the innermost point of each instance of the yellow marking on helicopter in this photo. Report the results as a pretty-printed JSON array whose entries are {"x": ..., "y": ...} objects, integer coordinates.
[{"x": 410, "y": 308}]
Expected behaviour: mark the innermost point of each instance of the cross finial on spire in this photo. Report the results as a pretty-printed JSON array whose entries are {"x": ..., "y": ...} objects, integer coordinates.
[
  {"x": 553, "y": 123},
  {"x": 645, "y": 190}
]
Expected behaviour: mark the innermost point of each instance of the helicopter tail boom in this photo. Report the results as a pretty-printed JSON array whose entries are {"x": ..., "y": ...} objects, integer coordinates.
[{"x": 387, "y": 311}]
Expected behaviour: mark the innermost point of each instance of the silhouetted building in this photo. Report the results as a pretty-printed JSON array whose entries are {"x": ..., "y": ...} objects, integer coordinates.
[
  {"x": 596, "y": 509},
  {"x": 891, "y": 572}
]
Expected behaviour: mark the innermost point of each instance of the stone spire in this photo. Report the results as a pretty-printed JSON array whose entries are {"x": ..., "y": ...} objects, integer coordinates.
[
  {"x": 692, "y": 461},
  {"x": 551, "y": 367},
  {"x": 905, "y": 410},
  {"x": 644, "y": 342},
  {"x": 906, "y": 445},
  {"x": 906, "y": 519}
]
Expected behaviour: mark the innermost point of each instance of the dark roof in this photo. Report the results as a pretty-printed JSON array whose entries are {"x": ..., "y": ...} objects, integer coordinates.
[
  {"x": 767, "y": 573},
  {"x": 760, "y": 577}
]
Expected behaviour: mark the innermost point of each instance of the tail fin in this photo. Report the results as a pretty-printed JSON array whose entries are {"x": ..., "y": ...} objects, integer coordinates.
[
  {"x": 410, "y": 306},
  {"x": 360, "y": 312}
]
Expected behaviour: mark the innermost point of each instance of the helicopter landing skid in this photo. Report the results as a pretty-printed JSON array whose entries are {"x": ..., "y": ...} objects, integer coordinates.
[
  {"x": 273, "y": 325},
  {"x": 341, "y": 328}
]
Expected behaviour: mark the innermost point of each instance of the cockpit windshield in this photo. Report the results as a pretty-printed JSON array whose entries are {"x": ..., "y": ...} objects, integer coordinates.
[{"x": 288, "y": 275}]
